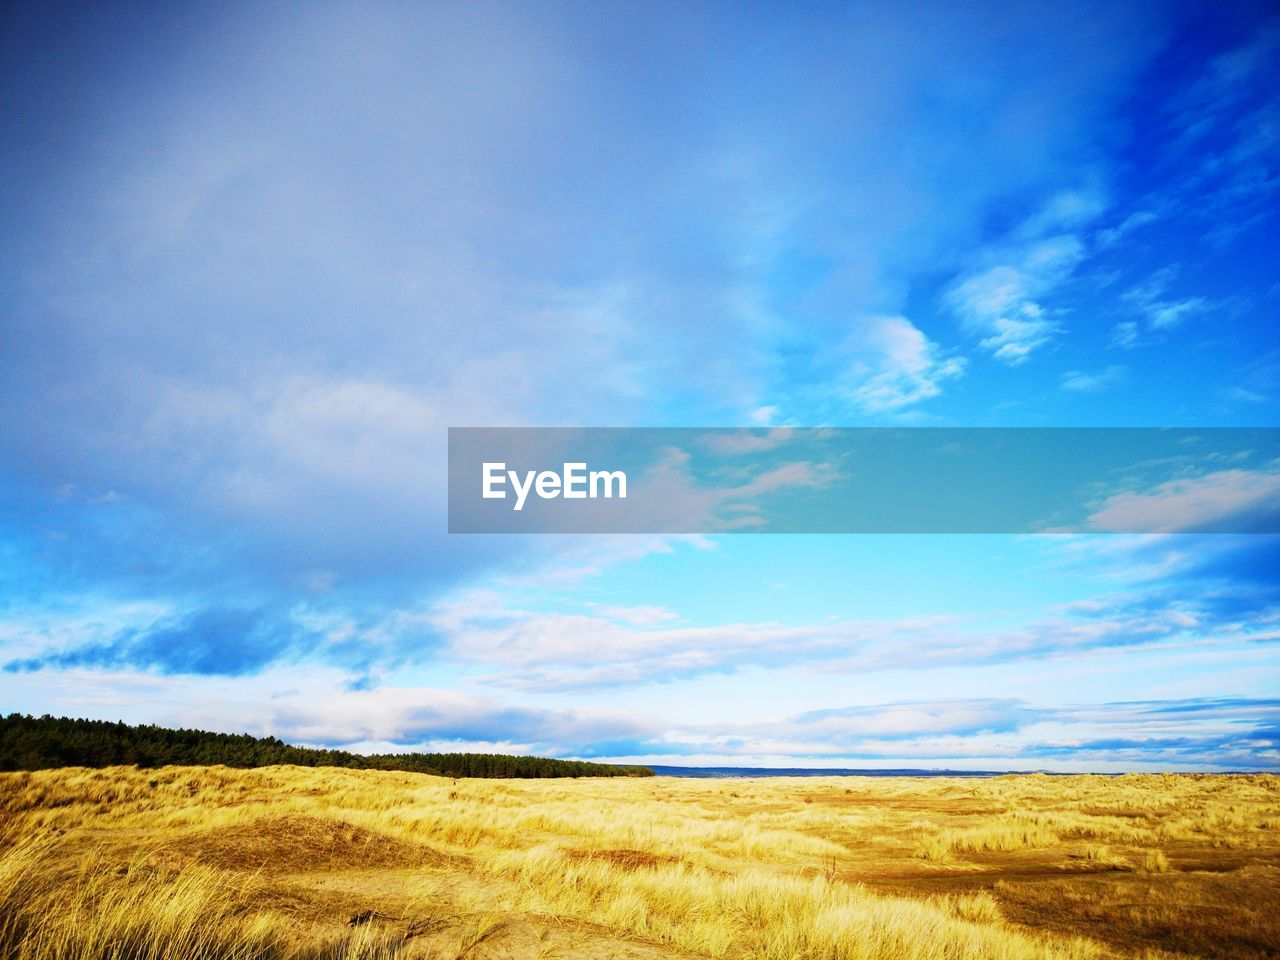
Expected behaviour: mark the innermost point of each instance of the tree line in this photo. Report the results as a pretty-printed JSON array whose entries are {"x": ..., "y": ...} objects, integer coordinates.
[{"x": 41, "y": 743}]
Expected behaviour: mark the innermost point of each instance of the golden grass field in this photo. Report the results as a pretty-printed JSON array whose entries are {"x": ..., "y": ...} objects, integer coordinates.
[{"x": 287, "y": 862}]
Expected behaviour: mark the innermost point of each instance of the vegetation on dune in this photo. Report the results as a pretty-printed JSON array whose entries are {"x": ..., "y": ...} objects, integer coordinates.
[
  {"x": 42, "y": 743},
  {"x": 287, "y": 863},
  {"x": 133, "y": 911}
]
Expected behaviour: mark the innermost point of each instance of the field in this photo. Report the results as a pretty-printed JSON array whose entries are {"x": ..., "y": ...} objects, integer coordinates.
[{"x": 290, "y": 862}]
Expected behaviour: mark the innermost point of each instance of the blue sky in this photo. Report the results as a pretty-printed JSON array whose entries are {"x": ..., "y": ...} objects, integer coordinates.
[{"x": 258, "y": 259}]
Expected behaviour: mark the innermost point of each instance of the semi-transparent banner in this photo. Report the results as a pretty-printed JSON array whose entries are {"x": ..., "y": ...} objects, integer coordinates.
[{"x": 872, "y": 480}]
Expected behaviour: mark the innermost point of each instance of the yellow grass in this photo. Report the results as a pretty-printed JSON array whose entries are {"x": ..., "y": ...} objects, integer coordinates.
[{"x": 289, "y": 862}]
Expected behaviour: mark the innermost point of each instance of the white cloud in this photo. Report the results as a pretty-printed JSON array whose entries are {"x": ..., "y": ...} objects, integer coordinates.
[
  {"x": 1125, "y": 334},
  {"x": 1165, "y": 316},
  {"x": 835, "y": 727},
  {"x": 1258, "y": 382},
  {"x": 317, "y": 707},
  {"x": 748, "y": 441},
  {"x": 1187, "y": 504},
  {"x": 1078, "y": 381},
  {"x": 1002, "y": 299},
  {"x": 894, "y": 365},
  {"x": 563, "y": 650},
  {"x": 1003, "y": 734},
  {"x": 1003, "y": 304},
  {"x": 1232, "y": 79},
  {"x": 668, "y": 494},
  {"x": 1111, "y": 235},
  {"x": 1067, "y": 210},
  {"x": 1225, "y": 130},
  {"x": 1158, "y": 312},
  {"x": 637, "y": 616}
]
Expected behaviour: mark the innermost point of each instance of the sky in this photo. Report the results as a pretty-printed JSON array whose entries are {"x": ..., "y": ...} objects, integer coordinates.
[{"x": 258, "y": 258}]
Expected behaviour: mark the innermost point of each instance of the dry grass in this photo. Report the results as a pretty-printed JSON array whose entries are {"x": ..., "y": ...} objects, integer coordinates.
[
  {"x": 1154, "y": 861},
  {"x": 284, "y": 863}
]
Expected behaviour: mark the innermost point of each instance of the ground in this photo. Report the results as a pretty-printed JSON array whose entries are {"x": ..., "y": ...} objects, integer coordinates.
[{"x": 286, "y": 862}]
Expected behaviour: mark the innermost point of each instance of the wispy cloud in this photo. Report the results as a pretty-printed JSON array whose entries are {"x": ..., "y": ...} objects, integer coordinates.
[
  {"x": 892, "y": 365},
  {"x": 225, "y": 642},
  {"x": 1166, "y": 316},
  {"x": 1226, "y": 125},
  {"x": 1110, "y": 236},
  {"x": 1255, "y": 383},
  {"x": 1001, "y": 732},
  {"x": 553, "y": 651},
  {"x": 1158, "y": 311},
  {"x": 749, "y": 442},
  {"x": 1003, "y": 300},
  {"x": 1234, "y": 732},
  {"x": 1078, "y": 381},
  {"x": 437, "y": 717},
  {"x": 1247, "y": 497},
  {"x": 673, "y": 490},
  {"x": 1125, "y": 334}
]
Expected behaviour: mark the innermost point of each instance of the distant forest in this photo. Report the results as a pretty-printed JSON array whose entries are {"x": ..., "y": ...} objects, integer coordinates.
[{"x": 40, "y": 743}]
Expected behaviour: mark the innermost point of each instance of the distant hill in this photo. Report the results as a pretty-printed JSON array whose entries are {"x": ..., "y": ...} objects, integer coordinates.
[{"x": 41, "y": 743}]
